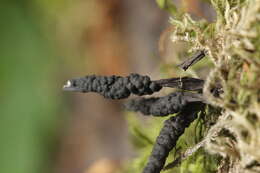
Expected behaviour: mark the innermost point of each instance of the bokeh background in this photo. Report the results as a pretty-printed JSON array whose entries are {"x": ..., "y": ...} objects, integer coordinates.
[{"x": 44, "y": 43}]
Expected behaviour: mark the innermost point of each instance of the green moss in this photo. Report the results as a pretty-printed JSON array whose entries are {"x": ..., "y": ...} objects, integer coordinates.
[{"x": 233, "y": 46}]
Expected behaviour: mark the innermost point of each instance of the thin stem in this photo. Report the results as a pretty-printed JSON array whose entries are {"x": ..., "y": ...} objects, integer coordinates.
[
  {"x": 185, "y": 83},
  {"x": 192, "y": 60}
]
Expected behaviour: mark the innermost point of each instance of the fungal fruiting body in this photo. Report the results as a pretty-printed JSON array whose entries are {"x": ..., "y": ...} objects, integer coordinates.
[
  {"x": 118, "y": 87},
  {"x": 173, "y": 128},
  {"x": 188, "y": 104},
  {"x": 114, "y": 87},
  {"x": 163, "y": 106}
]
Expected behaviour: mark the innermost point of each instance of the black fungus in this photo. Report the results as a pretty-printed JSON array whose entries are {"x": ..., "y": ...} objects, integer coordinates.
[
  {"x": 117, "y": 87},
  {"x": 162, "y": 106},
  {"x": 114, "y": 87},
  {"x": 173, "y": 128}
]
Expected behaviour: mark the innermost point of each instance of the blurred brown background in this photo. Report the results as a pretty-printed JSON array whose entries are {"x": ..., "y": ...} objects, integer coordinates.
[{"x": 44, "y": 43}]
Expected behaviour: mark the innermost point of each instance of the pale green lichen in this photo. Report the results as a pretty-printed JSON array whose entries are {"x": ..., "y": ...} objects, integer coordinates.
[{"x": 234, "y": 47}]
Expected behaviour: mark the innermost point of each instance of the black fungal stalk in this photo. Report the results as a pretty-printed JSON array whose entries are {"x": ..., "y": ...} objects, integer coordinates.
[
  {"x": 117, "y": 87},
  {"x": 173, "y": 128},
  {"x": 163, "y": 106},
  {"x": 114, "y": 87},
  {"x": 184, "y": 83},
  {"x": 192, "y": 60}
]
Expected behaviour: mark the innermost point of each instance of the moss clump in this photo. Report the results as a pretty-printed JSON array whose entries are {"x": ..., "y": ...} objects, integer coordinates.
[{"x": 232, "y": 43}]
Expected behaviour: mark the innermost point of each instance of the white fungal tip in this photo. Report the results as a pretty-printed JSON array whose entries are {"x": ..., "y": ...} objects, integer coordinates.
[{"x": 68, "y": 84}]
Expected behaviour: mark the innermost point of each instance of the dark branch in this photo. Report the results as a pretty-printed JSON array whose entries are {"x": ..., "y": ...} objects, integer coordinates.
[{"x": 192, "y": 60}]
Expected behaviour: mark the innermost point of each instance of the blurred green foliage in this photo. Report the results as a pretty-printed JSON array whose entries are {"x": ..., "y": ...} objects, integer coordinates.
[
  {"x": 167, "y": 5},
  {"x": 30, "y": 92}
]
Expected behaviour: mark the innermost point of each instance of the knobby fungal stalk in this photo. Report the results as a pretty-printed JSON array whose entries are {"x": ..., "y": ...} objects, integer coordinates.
[
  {"x": 173, "y": 128},
  {"x": 163, "y": 106},
  {"x": 114, "y": 87},
  {"x": 117, "y": 87}
]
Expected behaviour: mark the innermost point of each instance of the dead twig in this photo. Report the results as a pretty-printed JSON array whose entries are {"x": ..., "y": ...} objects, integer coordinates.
[{"x": 192, "y": 60}]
